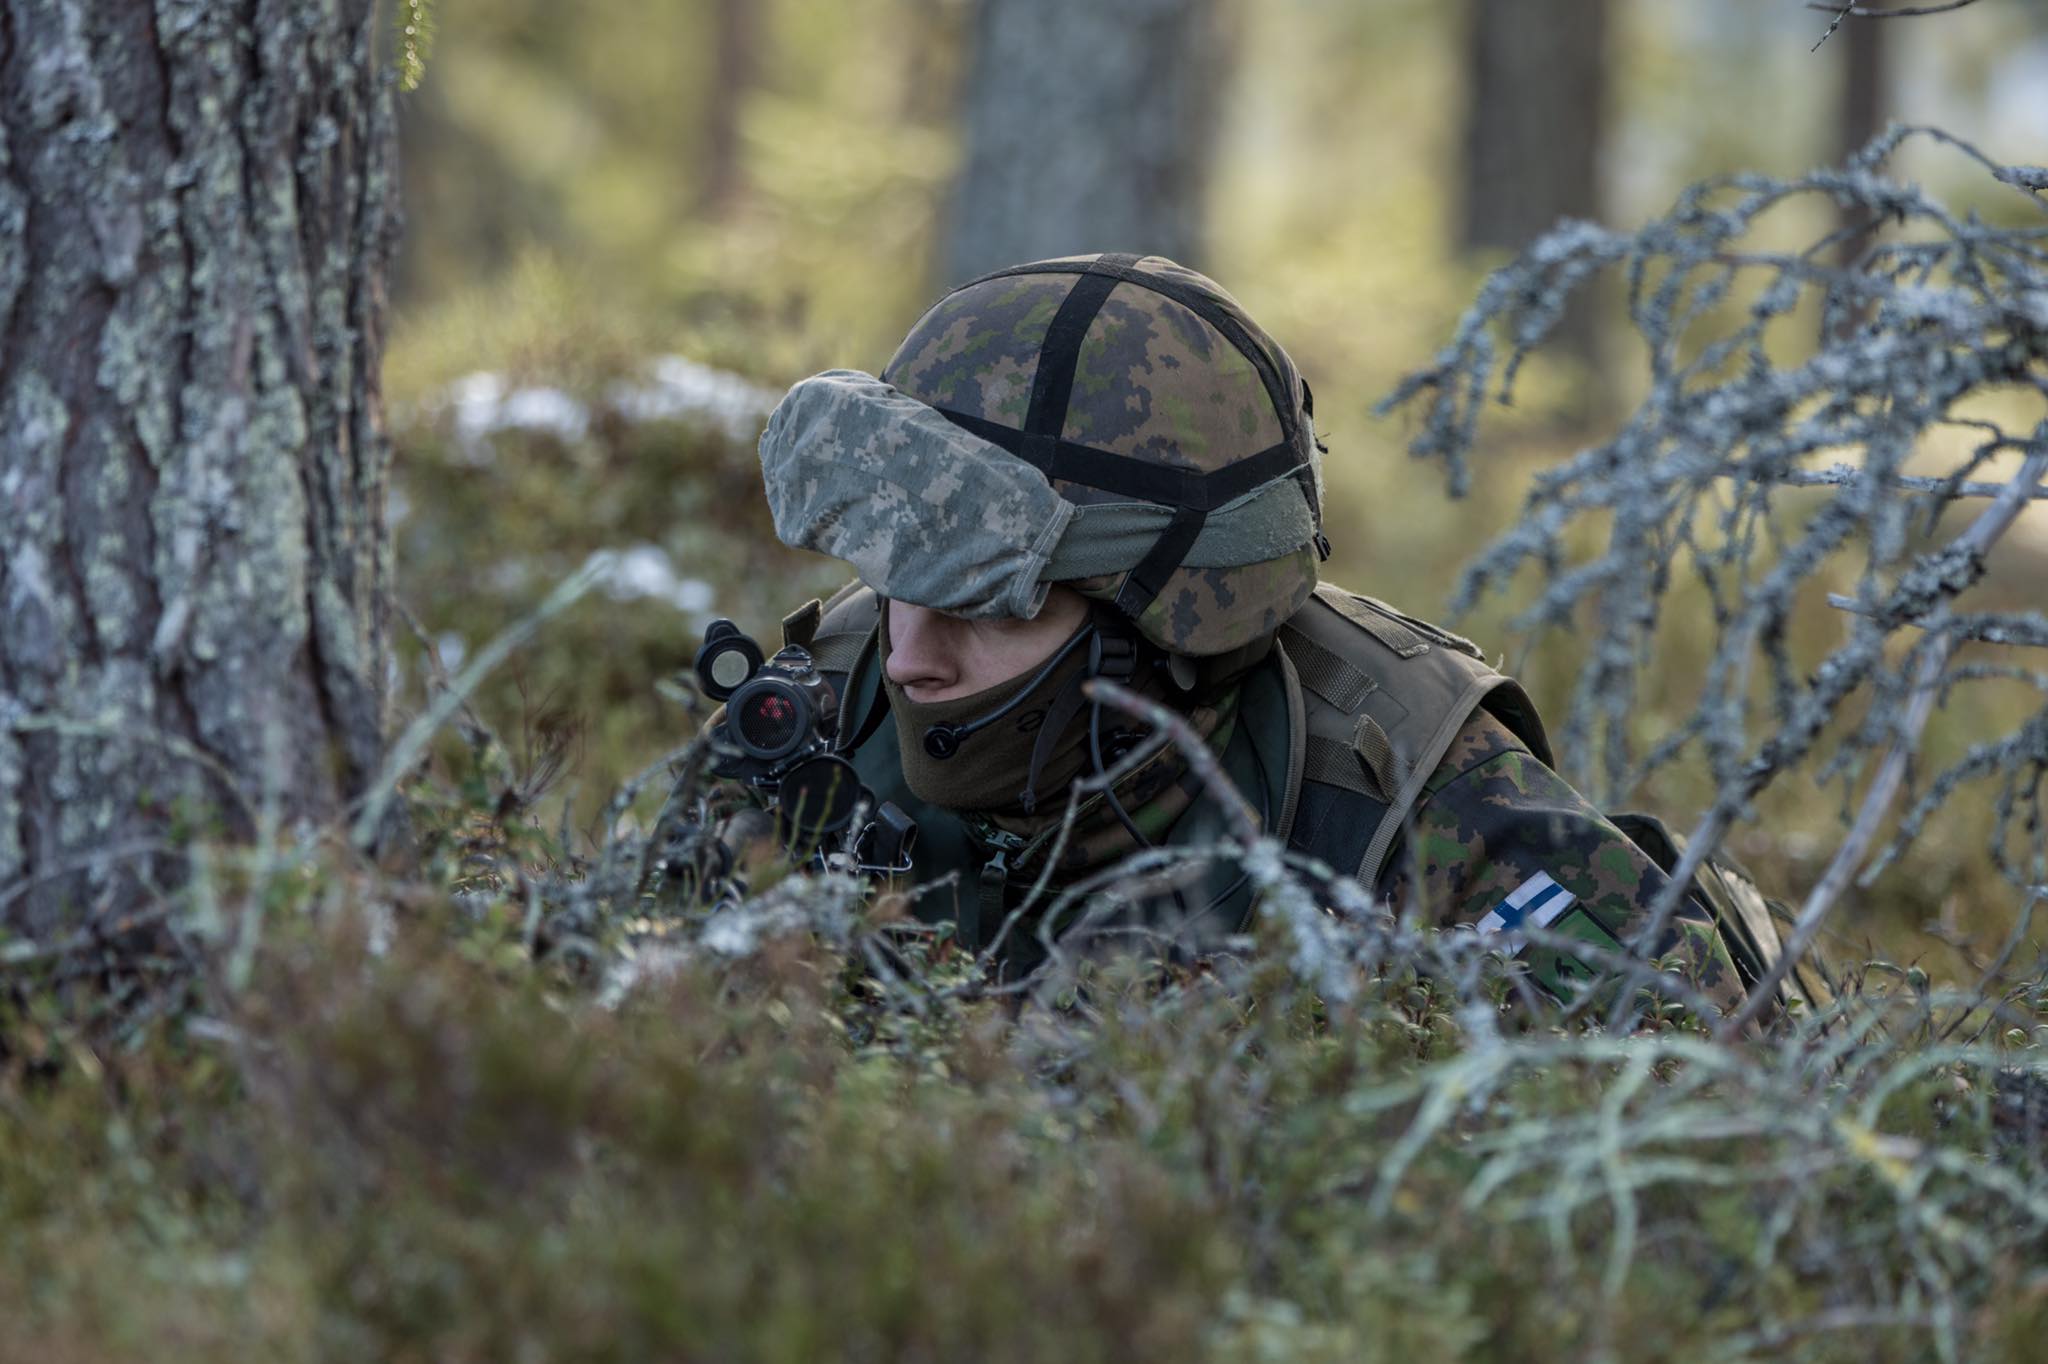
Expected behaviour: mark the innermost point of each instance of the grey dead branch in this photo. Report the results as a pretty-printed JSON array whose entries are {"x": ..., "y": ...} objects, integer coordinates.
[{"x": 1772, "y": 370}]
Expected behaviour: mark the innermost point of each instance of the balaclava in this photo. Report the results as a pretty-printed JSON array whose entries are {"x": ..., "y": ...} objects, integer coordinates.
[
  {"x": 992, "y": 767},
  {"x": 989, "y": 774}
]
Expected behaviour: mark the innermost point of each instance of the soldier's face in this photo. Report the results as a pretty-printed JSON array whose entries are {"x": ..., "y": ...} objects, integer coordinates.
[{"x": 936, "y": 657}]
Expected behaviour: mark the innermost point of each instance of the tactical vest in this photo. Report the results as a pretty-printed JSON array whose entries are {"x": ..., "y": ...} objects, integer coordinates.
[
  {"x": 1374, "y": 699},
  {"x": 1384, "y": 694}
]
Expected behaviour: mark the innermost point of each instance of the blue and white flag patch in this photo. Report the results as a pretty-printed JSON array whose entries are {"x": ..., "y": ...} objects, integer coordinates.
[{"x": 1538, "y": 900}]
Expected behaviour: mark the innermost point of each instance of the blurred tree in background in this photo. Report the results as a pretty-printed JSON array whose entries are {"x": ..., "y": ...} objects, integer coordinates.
[
  {"x": 736, "y": 42},
  {"x": 1535, "y": 120},
  {"x": 1088, "y": 127},
  {"x": 1534, "y": 117},
  {"x": 762, "y": 178}
]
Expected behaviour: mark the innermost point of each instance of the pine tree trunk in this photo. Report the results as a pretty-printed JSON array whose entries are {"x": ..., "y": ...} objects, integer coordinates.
[
  {"x": 1536, "y": 74},
  {"x": 1537, "y": 86},
  {"x": 1863, "y": 107},
  {"x": 1090, "y": 127},
  {"x": 735, "y": 40},
  {"x": 197, "y": 208}
]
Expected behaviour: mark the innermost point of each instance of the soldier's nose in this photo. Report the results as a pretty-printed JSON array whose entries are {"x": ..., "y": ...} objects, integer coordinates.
[{"x": 918, "y": 656}]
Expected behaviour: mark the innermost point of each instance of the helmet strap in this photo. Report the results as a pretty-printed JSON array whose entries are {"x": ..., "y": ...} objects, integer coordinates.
[
  {"x": 1112, "y": 654},
  {"x": 1146, "y": 580}
]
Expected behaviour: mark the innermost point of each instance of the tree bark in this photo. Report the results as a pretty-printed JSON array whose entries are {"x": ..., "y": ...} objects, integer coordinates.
[
  {"x": 1861, "y": 110},
  {"x": 735, "y": 38},
  {"x": 197, "y": 209},
  {"x": 1089, "y": 127},
  {"x": 1537, "y": 91},
  {"x": 1535, "y": 119}
]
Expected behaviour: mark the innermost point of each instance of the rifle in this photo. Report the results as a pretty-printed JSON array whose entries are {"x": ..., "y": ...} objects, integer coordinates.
[{"x": 776, "y": 734}]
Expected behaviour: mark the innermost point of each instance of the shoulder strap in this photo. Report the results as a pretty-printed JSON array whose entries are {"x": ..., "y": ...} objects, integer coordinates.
[
  {"x": 800, "y": 625},
  {"x": 1387, "y": 693},
  {"x": 842, "y": 641},
  {"x": 844, "y": 625}
]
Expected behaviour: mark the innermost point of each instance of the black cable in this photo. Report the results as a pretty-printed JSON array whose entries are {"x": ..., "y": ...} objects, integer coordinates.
[
  {"x": 1265, "y": 820},
  {"x": 1116, "y": 805},
  {"x": 1109, "y": 793},
  {"x": 851, "y": 736},
  {"x": 942, "y": 740}
]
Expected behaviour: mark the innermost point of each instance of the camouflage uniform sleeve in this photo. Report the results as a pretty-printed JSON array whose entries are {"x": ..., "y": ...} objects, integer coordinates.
[{"x": 1499, "y": 837}]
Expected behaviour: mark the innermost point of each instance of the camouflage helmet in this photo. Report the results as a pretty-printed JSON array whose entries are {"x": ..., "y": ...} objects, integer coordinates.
[
  {"x": 1109, "y": 422},
  {"x": 1148, "y": 398}
]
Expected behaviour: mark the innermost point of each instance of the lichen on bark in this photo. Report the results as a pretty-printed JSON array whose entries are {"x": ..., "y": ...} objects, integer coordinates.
[{"x": 197, "y": 210}]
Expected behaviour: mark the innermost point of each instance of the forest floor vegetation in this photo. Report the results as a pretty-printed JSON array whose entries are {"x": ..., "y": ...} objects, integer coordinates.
[{"x": 484, "y": 1097}]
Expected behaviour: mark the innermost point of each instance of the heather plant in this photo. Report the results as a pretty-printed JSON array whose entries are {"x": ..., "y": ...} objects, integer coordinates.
[{"x": 804, "y": 1126}]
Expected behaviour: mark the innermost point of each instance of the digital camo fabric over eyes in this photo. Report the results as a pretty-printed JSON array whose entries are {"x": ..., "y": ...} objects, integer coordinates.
[{"x": 1136, "y": 391}]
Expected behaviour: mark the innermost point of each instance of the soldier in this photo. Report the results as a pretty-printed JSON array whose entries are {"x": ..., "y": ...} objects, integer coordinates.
[{"x": 1099, "y": 466}]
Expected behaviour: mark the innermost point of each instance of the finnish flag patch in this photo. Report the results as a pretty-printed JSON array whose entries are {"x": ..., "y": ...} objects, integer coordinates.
[{"x": 1538, "y": 900}]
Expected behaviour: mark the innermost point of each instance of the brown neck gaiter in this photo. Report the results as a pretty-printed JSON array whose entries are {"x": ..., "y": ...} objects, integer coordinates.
[
  {"x": 992, "y": 765},
  {"x": 985, "y": 779}
]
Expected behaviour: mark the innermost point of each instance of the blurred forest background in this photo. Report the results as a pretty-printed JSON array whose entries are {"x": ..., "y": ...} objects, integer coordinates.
[{"x": 631, "y": 225}]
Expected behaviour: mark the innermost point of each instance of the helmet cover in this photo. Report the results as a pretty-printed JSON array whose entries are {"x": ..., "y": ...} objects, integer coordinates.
[{"x": 1114, "y": 423}]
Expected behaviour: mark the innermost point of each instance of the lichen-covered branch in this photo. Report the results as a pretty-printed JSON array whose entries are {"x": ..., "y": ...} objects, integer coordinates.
[{"x": 1795, "y": 404}]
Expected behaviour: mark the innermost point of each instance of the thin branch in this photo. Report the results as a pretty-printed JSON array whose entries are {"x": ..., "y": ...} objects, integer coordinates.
[
  {"x": 480, "y": 733},
  {"x": 1903, "y": 12},
  {"x": 97, "y": 933},
  {"x": 1993, "y": 973},
  {"x": 2021, "y": 629},
  {"x": 1840, "y": 14},
  {"x": 1973, "y": 544},
  {"x": 1243, "y": 820},
  {"x": 75, "y": 727},
  {"x": 412, "y": 744},
  {"x": 142, "y": 847},
  {"x": 1842, "y": 475}
]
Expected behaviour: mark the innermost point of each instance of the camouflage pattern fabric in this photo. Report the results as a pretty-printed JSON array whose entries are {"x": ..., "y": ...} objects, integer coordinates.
[
  {"x": 1156, "y": 383},
  {"x": 1189, "y": 616},
  {"x": 1493, "y": 819},
  {"x": 923, "y": 510},
  {"x": 1153, "y": 379},
  {"x": 1154, "y": 796},
  {"x": 931, "y": 514}
]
